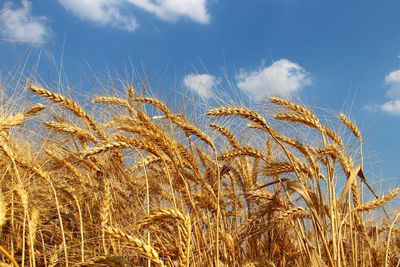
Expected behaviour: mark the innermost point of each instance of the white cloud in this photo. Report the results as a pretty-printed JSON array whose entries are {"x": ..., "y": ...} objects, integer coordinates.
[
  {"x": 393, "y": 105},
  {"x": 19, "y": 25},
  {"x": 173, "y": 10},
  {"x": 393, "y": 80},
  {"x": 101, "y": 12},
  {"x": 282, "y": 78},
  {"x": 118, "y": 13},
  {"x": 202, "y": 84}
]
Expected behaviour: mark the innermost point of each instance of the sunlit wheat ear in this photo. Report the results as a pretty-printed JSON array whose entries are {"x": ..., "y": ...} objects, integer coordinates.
[
  {"x": 351, "y": 126},
  {"x": 131, "y": 95},
  {"x": 114, "y": 101},
  {"x": 356, "y": 196},
  {"x": 276, "y": 168},
  {"x": 34, "y": 110},
  {"x": 109, "y": 260},
  {"x": 145, "y": 145},
  {"x": 345, "y": 161},
  {"x": 7, "y": 122},
  {"x": 105, "y": 213},
  {"x": 302, "y": 167},
  {"x": 188, "y": 156},
  {"x": 242, "y": 151},
  {"x": 59, "y": 99},
  {"x": 155, "y": 102},
  {"x": 294, "y": 107},
  {"x": 227, "y": 133},
  {"x": 3, "y": 210},
  {"x": 333, "y": 135},
  {"x": 68, "y": 104},
  {"x": 311, "y": 122},
  {"x": 270, "y": 150},
  {"x": 161, "y": 214},
  {"x": 239, "y": 111},
  {"x": 303, "y": 148},
  {"x": 71, "y": 168},
  {"x": 229, "y": 242},
  {"x": 23, "y": 195},
  {"x": 105, "y": 148},
  {"x": 73, "y": 130},
  {"x": 32, "y": 229},
  {"x": 206, "y": 201},
  {"x": 137, "y": 245},
  {"x": 306, "y": 117},
  {"x": 191, "y": 129},
  {"x": 378, "y": 202},
  {"x": 183, "y": 225},
  {"x": 106, "y": 205},
  {"x": 291, "y": 213},
  {"x": 157, "y": 133},
  {"x": 144, "y": 163},
  {"x": 151, "y": 133}
]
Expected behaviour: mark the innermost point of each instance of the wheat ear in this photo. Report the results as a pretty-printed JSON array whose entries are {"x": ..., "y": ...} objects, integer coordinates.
[
  {"x": 138, "y": 245},
  {"x": 309, "y": 121},
  {"x": 68, "y": 104},
  {"x": 66, "y": 128},
  {"x": 155, "y": 102},
  {"x": 294, "y": 107},
  {"x": 378, "y": 202},
  {"x": 227, "y": 133},
  {"x": 239, "y": 111},
  {"x": 242, "y": 151},
  {"x": 351, "y": 126},
  {"x": 114, "y": 101}
]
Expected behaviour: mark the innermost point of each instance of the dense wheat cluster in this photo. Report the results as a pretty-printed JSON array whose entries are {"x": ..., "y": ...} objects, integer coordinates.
[{"x": 146, "y": 186}]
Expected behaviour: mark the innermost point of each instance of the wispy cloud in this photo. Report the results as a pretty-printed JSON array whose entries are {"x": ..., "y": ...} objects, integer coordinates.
[
  {"x": 201, "y": 84},
  {"x": 17, "y": 24},
  {"x": 282, "y": 78},
  {"x": 101, "y": 12},
  {"x": 393, "y": 105},
  {"x": 174, "y": 10},
  {"x": 119, "y": 14}
]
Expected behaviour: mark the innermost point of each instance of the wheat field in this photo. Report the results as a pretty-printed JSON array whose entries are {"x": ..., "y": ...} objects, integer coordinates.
[{"x": 149, "y": 186}]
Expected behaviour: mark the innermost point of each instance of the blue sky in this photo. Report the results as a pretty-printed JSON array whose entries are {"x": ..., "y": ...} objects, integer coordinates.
[{"x": 339, "y": 55}]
